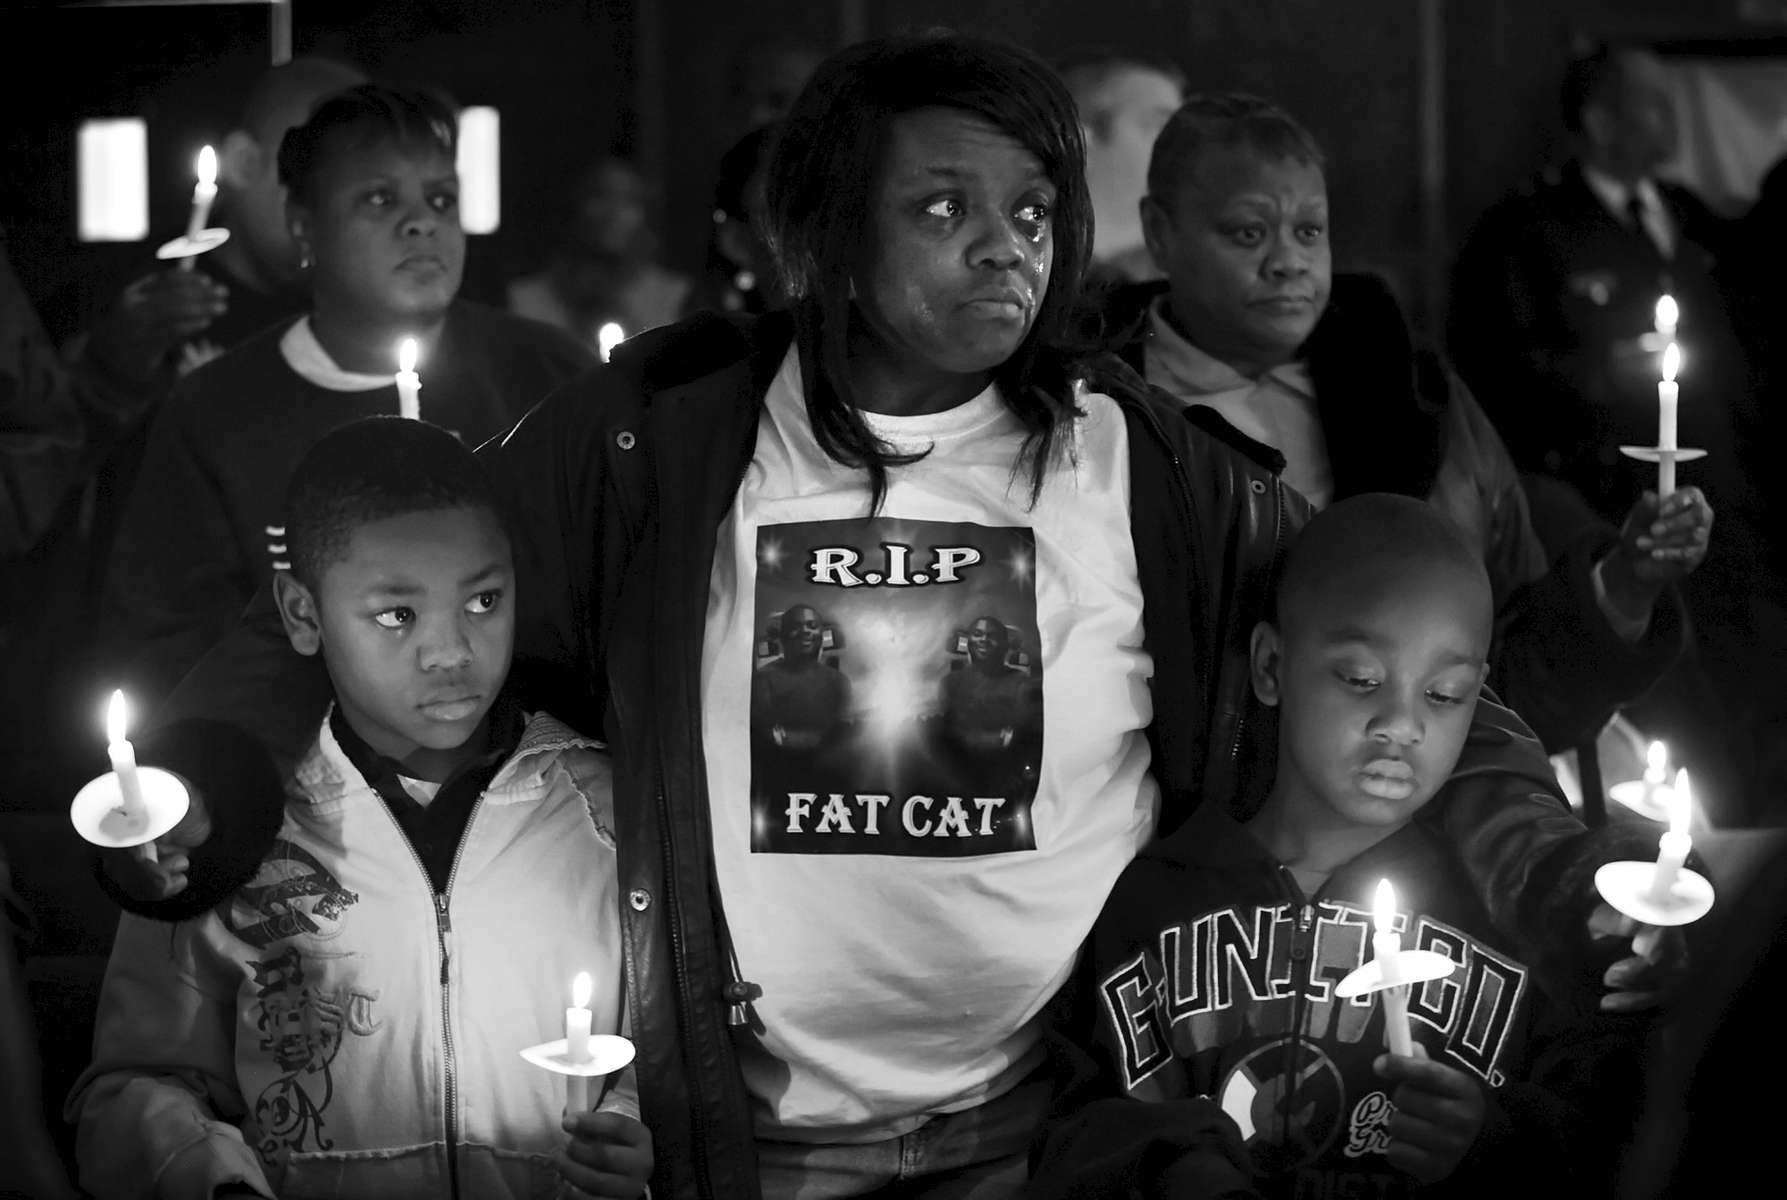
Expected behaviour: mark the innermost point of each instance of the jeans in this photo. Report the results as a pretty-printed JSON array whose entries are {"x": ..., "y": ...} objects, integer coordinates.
[{"x": 981, "y": 1153}]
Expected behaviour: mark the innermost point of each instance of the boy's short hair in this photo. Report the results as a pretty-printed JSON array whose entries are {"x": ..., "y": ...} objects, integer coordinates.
[
  {"x": 371, "y": 470},
  {"x": 1225, "y": 119},
  {"x": 1360, "y": 529},
  {"x": 361, "y": 116}
]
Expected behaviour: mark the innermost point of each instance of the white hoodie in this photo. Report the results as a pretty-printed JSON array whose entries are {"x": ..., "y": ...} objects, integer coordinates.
[{"x": 330, "y": 1031}]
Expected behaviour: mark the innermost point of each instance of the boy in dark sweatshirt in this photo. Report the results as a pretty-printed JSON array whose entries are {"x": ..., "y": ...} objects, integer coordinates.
[{"x": 1217, "y": 955}]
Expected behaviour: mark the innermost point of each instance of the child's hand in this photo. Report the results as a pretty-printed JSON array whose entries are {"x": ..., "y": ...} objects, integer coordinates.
[
  {"x": 609, "y": 1156},
  {"x": 1439, "y": 1112},
  {"x": 1657, "y": 964},
  {"x": 147, "y": 881}
]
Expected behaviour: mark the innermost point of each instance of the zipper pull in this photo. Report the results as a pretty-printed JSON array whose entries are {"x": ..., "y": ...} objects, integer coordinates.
[
  {"x": 443, "y": 925},
  {"x": 1300, "y": 946}
]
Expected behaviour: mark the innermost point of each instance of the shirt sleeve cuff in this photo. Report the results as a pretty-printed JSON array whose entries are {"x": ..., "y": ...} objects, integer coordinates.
[{"x": 1628, "y": 629}]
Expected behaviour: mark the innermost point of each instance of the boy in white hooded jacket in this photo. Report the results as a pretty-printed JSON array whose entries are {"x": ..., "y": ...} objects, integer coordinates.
[{"x": 348, "y": 1023}]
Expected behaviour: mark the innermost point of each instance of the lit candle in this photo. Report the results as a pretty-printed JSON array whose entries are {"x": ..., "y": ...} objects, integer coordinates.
[
  {"x": 1667, "y": 393},
  {"x": 577, "y": 1023},
  {"x": 1656, "y": 771},
  {"x": 124, "y": 769},
  {"x": 1668, "y": 315},
  {"x": 1673, "y": 846},
  {"x": 203, "y": 194},
  {"x": 409, "y": 384},
  {"x": 608, "y": 337},
  {"x": 1385, "y": 947}
]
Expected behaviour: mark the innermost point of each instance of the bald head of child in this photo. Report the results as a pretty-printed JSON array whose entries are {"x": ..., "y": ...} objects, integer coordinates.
[{"x": 1374, "y": 655}]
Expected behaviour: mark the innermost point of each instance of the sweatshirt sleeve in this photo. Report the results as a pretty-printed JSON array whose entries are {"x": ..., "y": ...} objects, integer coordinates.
[
  {"x": 1568, "y": 1120},
  {"x": 1113, "y": 1137},
  {"x": 1528, "y": 857},
  {"x": 1557, "y": 661},
  {"x": 157, "y": 1111}
]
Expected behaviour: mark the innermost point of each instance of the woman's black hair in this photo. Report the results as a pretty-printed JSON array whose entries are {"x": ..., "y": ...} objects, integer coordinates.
[
  {"x": 820, "y": 176},
  {"x": 364, "y": 115}
]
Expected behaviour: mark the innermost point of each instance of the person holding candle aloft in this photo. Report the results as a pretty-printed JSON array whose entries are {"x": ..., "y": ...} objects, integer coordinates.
[
  {"x": 349, "y": 1022},
  {"x": 1220, "y": 1049},
  {"x": 372, "y": 207},
  {"x": 1253, "y": 328},
  {"x": 1553, "y": 323}
]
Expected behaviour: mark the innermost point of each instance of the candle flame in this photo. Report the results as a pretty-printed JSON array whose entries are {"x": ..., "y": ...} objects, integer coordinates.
[
  {"x": 581, "y": 987},
  {"x": 1681, "y": 805},
  {"x": 117, "y": 717},
  {"x": 406, "y": 354},
  {"x": 207, "y": 167},
  {"x": 1668, "y": 314},
  {"x": 1656, "y": 760},
  {"x": 608, "y": 337},
  {"x": 1672, "y": 362},
  {"x": 1383, "y": 907}
]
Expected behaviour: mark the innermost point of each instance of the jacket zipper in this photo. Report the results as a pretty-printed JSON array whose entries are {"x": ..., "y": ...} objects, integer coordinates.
[
  {"x": 698, "y": 1113},
  {"x": 443, "y": 925},
  {"x": 685, "y": 1008},
  {"x": 1300, "y": 950}
]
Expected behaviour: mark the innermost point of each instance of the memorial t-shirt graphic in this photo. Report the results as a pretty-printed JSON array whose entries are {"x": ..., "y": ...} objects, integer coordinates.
[{"x": 896, "y": 690}]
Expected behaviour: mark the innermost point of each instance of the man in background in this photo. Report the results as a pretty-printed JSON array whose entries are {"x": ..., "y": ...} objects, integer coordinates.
[{"x": 1124, "y": 102}]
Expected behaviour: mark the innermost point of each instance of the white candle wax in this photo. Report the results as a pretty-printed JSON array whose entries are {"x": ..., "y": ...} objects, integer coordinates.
[
  {"x": 1673, "y": 846},
  {"x": 1668, "y": 314},
  {"x": 204, "y": 193},
  {"x": 124, "y": 769},
  {"x": 1668, "y": 393},
  {"x": 1386, "y": 947},
  {"x": 409, "y": 384},
  {"x": 577, "y": 1031}
]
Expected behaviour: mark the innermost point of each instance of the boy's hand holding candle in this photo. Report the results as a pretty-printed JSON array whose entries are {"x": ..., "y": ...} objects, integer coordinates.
[
  {"x": 1439, "y": 1113},
  {"x": 609, "y": 1155}
]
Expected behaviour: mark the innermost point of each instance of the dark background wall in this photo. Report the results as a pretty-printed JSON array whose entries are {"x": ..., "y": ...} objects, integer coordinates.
[{"x": 578, "y": 78}]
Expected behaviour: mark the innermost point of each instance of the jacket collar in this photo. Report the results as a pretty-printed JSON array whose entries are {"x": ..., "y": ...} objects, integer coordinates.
[
  {"x": 326, "y": 773},
  {"x": 1382, "y": 404}
]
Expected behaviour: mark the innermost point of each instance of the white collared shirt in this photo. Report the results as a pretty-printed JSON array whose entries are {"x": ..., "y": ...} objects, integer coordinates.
[
  {"x": 1277, "y": 409},
  {"x": 1658, "y": 222}
]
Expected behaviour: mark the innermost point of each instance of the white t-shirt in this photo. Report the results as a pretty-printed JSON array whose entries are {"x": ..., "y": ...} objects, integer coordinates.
[{"x": 925, "y": 752}]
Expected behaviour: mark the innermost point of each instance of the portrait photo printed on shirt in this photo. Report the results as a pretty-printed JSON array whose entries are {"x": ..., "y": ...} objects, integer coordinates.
[{"x": 896, "y": 689}]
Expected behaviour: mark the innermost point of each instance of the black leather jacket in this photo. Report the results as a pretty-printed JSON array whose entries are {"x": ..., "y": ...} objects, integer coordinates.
[{"x": 619, "y": 483}]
